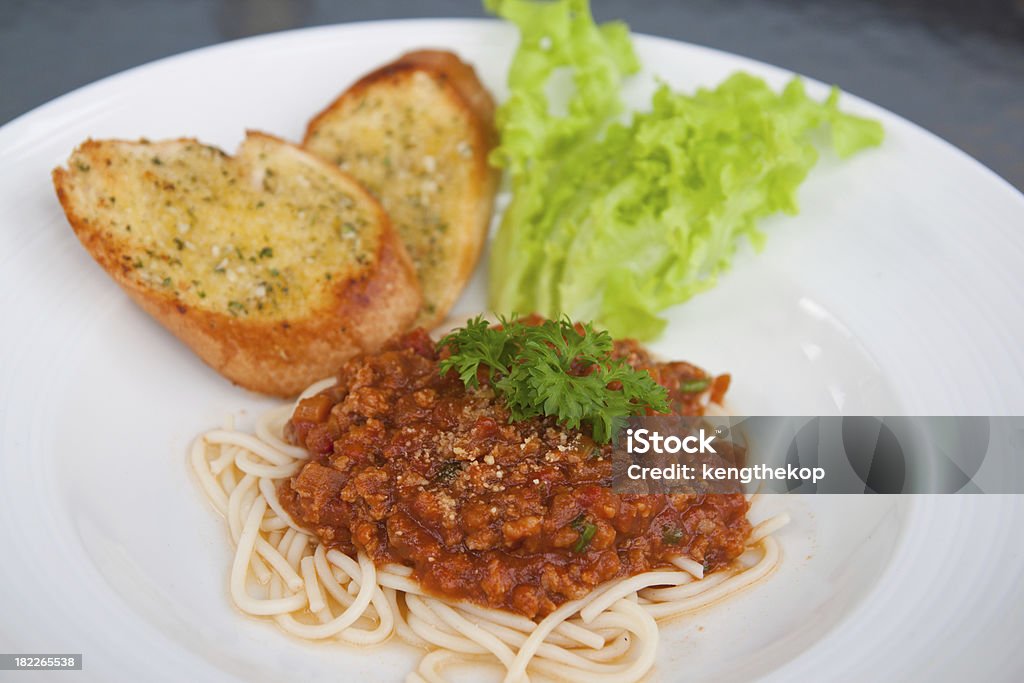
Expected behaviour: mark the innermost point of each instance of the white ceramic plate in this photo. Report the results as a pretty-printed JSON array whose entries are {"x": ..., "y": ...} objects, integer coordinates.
[{"x": 896, "y": 290}]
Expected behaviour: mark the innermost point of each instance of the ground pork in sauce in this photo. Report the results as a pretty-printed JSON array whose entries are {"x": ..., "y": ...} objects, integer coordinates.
[{"x": 416, "y": 469}]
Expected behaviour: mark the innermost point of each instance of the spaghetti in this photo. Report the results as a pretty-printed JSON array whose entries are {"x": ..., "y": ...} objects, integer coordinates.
[{"x": 282, "y": 572}]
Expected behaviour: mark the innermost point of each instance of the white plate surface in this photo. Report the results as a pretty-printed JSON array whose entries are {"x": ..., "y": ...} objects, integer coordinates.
[{"x": 896, "y": 290}]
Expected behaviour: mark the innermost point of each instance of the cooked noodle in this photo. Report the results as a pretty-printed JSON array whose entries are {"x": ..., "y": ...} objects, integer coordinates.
[{"x": 281, "y": 571}]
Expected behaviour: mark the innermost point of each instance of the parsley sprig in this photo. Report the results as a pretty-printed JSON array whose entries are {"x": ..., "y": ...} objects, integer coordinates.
[{"x": 553, "y": 369}]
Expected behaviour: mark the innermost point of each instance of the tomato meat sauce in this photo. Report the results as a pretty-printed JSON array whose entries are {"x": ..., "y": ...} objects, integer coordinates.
[{"x": 414, "y": 468}]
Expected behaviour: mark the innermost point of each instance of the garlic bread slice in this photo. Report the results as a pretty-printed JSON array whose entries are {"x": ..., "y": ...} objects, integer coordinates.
[
  {"x": 272, "y": 265},
  {"x": 416, "y": 133}
]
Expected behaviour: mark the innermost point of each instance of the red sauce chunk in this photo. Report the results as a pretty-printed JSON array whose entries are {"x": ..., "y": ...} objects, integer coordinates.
[{"x": 412, "y": 467}]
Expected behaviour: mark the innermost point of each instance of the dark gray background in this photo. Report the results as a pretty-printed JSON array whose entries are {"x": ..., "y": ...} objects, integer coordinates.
[{"x": 955, "y": 67}]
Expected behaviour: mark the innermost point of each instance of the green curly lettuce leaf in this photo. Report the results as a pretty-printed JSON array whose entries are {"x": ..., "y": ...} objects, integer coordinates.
[{"x": 614, "y": 222}]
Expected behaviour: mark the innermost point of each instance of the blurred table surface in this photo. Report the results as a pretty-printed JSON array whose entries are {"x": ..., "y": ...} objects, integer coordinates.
[{"x": 955, "y": 67}]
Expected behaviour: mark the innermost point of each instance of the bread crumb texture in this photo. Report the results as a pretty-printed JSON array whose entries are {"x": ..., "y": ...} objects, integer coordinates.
[
  {"x": 261, "y": 235},
  {"x": 416, "y": 145}
]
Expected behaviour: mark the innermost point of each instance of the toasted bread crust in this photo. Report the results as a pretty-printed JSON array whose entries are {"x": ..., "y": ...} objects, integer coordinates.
[
  {"x": 442, "y": 282},
  {"x": 273, "y": 356}
]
